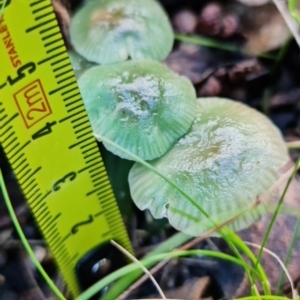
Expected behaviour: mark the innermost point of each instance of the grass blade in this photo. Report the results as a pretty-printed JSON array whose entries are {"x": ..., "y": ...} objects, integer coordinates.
[{"x": 24, "y": 241}]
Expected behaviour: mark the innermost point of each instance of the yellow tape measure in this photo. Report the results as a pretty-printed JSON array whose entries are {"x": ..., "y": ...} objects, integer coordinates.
[{"x": 48, "y": 140}]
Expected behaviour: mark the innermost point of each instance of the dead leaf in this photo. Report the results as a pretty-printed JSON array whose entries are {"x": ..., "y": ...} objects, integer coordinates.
[{"x": 279, "y": 241}]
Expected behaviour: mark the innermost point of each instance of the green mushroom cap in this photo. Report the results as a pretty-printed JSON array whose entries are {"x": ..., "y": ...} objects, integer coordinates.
[
  {"x": 140, "y": 105},
  {"x": 230, "y": 156},
  {"x": 110, "y": 31}
]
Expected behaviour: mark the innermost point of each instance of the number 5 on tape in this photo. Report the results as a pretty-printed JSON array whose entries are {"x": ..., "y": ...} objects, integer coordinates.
[{"x": 47, "y": 138}]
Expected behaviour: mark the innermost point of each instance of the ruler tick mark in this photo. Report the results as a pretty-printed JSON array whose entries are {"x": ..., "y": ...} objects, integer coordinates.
[
  {"x": 96, "y": 190},
  {"x": 59, "y": 61},
  {"x": 69, "y": 91},
  {"x": 105, "y": 202},
  {"x": 73, "y": 96},
  {"x": 63, "y": 73},
  {"x": 98, "y": 214},
  {"x": 73, "y": 115},
  {"x": 9, "y": 136},
  {"x": 51, "y": 57},
  {"x": 76, "y": 107},
  {"x": 96, "y": 179},
  {"x": 37, "y": 205},
  {"x": 60, "y": 68},
  {"x": 60, "y": 253},
  {"x": 80, "y": 118},
  {"x": 95, "y": 146},
  {"x": 84, "y": 134},
  {"x": 39, "y": 25},
  {"x": 29, "y": 184},
  {"x": 8, "y": 151},
  {"x": 52, "y": 42},
  {"x": 7, "y": 131},
  {"x": 110, "y": 213},
  {"x": 48, "y": 29},
  {"x": 42, "y": 210},
  {"x": 15, "y": 161},
  {"x": 36, "y": 2},
  {"x": 42, "y": 223},
  {"x": 63, "y": 87},
  {"x": 43, "y": 16},
  {"x": 82, "y": 141},
  {"x": 91, "y": 160},
  {"x": 56, "y": 241},
  {"x": 34, "y": 192},
  {"x": 8, "y": 121},
  {"x": 56, "y": 217},
  {"x": 19, "y": 172},
  {"x": 36, "y": 198},
  {"x": 20, "y": 164},
  {"x": 100, "y": 182},
  {"x": 66, "y": 79},
  {"x": 55, "y": 48},
  {"x": 19, "y": 150},
  {"x": 66, "y": 237},
  {"x": 75, "y": 257},
  {"x": 50, "y": 232},
  {"x": 73, "y": 102},
  {"x": 11, "y": 141},
  {"x": 42, "y": 8},
  {"x": 108, "y": 233},
  {"x": 104, "y": 194},
  {"x": 87, "y": 167},
  {"x": 3, "y": 118},
  {"x": 92, "y": 154},
  {"x": 29, "y": 176},
  {"x": 45, "y": 196},
  {"x": 96, "y": 174}
]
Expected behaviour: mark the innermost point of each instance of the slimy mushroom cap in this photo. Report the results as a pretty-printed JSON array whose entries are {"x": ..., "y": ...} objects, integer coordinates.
[
  {"x": 230, "y": 156},
  {"x": 110, "y": 31},
  {"x": 140, "y": 105}
]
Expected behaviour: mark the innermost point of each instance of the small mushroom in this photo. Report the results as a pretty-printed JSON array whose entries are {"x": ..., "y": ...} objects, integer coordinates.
[
  {"x": 230, "y": 156},
  {"x": 140, "y": 105},
  {"x": 110, "y": 31},
  {"x": 79, "y": 64}
]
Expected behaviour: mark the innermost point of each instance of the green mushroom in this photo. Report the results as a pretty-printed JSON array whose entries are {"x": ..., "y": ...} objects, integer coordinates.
[
  {"x": 140, "y": 105},
  {"x": 110, "y": 31},
  {"x": 230, "y": 156}
]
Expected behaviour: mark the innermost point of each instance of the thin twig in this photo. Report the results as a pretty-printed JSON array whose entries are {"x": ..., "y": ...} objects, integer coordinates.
[
  {"x": 294, "y": 291},
  {"x": 142, "y": 267},
  {"x": 290, "y": 22},
  {"x": 293, "y": 145}
]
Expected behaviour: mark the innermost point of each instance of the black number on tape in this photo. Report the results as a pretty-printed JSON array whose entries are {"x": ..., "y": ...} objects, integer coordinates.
[
  {"x": 71, "y": 176},
  {"x": 43, "y": 131},
  {"x": 76, "y": 226},
  {"x": 22, "y": 72}
]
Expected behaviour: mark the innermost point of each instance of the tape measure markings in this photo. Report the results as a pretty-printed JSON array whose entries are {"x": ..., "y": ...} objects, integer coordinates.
[{"x": 49, "y": 219}]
